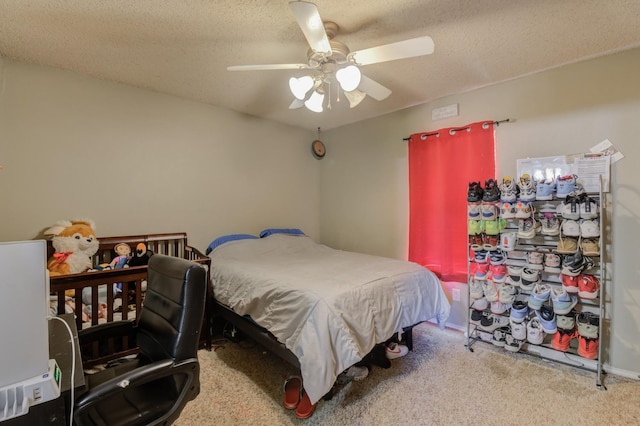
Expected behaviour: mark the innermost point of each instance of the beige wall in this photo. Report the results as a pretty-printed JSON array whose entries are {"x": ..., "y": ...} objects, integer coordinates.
[
  {"x": 139, "y": 162},
  {"x": 364, "y": 198}
]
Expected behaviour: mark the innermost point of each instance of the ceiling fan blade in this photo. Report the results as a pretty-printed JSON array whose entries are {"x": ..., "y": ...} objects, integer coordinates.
[
  {"x": 374, "y": 89},
  {"x": 311, "y": 25},
  {"x": 268, "y": 67},
  {"x": 393, "y": 51}
]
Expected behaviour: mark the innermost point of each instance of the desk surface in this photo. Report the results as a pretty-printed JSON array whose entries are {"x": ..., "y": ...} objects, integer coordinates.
[{"x": 60, "y": 350}]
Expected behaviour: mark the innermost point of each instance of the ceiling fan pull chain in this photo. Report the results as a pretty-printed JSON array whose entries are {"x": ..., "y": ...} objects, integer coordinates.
[{"x": 329, "y": 90}]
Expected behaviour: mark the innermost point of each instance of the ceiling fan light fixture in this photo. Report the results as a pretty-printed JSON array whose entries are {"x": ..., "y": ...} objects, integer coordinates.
[
  {"x": 355, "y": 97},
  {"x": 300, "y": 86},
  {"x": 349, "y": 78},
  {"x": 314, "y": 103}
]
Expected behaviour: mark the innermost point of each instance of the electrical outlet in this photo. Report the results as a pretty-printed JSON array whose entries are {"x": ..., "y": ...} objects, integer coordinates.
[{"x": 455, "y": 294}]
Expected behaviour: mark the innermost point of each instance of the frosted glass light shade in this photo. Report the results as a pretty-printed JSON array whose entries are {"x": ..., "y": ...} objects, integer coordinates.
[
  {"x": 349, "y": 78},
  {"x": 314, "y": 103},
  {"x": 355, "y": 97},
  {"x": 300, "y": 86}
]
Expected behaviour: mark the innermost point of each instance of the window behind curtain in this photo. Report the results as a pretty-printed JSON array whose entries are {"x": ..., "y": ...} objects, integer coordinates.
[{"x": 441, "y": 165}]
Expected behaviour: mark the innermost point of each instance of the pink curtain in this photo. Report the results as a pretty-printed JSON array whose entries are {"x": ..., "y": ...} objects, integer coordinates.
[{"x": 441, "y": 165}]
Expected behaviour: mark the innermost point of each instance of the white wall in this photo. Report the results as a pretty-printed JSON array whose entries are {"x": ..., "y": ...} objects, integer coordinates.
[
  {"x": 140, "y": 162},
  {"x": 364, "y": 198}
]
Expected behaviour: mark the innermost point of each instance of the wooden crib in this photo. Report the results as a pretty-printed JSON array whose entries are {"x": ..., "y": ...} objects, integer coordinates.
[{"x": 109, "y": 305}]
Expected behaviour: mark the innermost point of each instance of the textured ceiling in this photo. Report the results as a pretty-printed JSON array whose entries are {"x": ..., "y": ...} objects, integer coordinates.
[{"x": 182, "y": 47}]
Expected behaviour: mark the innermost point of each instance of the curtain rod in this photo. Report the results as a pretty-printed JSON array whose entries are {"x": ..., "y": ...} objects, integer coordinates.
[{"x": 455, "y": 129}]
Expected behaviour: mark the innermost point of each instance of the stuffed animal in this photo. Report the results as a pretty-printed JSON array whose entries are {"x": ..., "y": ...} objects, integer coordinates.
[
  {"x": 141, "y": 256},
  {"x": 123, "y": 252},
  {"x": 75, "y": 243}
]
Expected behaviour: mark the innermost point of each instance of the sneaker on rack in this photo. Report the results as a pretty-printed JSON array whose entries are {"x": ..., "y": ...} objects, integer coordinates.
[
  {"x": 545, "y": 189},
  {"x": 493, "y": 227},
  {"x": 563, "y": 302},
  {"x": 519, "y": 310},
  {"x": 567, "y": 245},
  {"x": 570, "y": 208},
  {"x": 527, "y": 228},
  {"x": 535, "y": 259},
  {"x": 489, "y": 211},
  {"x": 475, "y": 192},
  {"x": 496, "y": 257},
  {"x": 514, "y": 270},
  {"x": 527, "y": 188},
  {"x": 590, "y": 246},
  {"x": 523, "y": 210},
  {"x": 480, "y": 256},
  {"x": 550, "y": 224},
  {"x": 476, "y": 242},
  {"x": 500, "y": 335},
  {"x": 475, "y": 227},
  {"x": 589, "y": 228},
  {"x": 588, "y": 286},
  {"x": 562, "y": 339},
  {"x": 570, "y": 228},
  {"x": 508, "y": 210},
  {"x": 491, "y": 191},
  {"x": 475, "y": 289},
  {"x": 588, "y": 207},
  {"x": 512, "y": 344},
  {"x": 566, "y": 322},
  {"x": 491, "y": 242},
  {"x": 480, "y": 304},
  {"x": 481, "y": 271},
  {"x": 539, "y": 295},
  {"x": 498, "y": 273},
  {"x": 573, "y": 264},
  {"x": 508, "y": 190},
  {"x": 508, "y": 240},
  {"x": 491, "y": 290},
  {"x": 588, "y": 324},
  {"x": 570, "y": 283},
  {"x": 565, "y": 185},
  {"x": 508, "y": 294},
  {"x": 474, "y": 212},
  {"x": 529, "y": 279},
  {"x": 552, "y": 262},
  {"x": 499, "y": 307},
  {"x": 547, "y": 319},
  {"x": 519, "y": 330},
  {"x": 588, "y": 348},
  {"x": 535, "y": 334},
  {"x": 493, "y": 321},
  {"x": 476, "y": 316}
]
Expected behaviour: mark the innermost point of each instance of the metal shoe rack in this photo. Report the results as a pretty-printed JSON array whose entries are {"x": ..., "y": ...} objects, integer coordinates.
[{"x": 544, "y": 243}]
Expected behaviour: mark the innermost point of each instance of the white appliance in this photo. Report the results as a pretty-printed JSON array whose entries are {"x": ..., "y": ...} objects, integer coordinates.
[{"x": 27, "y": 375}]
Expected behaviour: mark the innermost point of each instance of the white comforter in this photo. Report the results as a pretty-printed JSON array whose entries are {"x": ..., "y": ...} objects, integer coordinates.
[{"x": 329, "y": 307}]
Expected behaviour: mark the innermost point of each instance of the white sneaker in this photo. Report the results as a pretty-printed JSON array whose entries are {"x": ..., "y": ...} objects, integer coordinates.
[
  {"x": 571, "y": 228},
  {"x": 512, "y": 344},
  {"x": 523, "y": 210},
  {"x": 535, "y": 334},
  {"x": 527, "y": 228},
  {"x": 475, "y": 289},
  {"x": 519, "y": 330},
  {"x": 527, "y": 188},
  {"x": 396, "y": 350},
  {"x": 550, "y": 224},
  {"x": 588, "y": 208},
  {"x": 508, "y": 190},
  {"x": 590, "y": 229}
]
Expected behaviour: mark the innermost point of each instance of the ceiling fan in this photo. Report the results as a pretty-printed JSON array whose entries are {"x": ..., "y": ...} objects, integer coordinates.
[{"x": 329, "y": 61}]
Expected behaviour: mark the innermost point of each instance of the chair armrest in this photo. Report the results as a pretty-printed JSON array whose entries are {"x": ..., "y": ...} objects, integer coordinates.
[
  {"x": 106, "y": 330},
  {"x": 137, "y": 377}
]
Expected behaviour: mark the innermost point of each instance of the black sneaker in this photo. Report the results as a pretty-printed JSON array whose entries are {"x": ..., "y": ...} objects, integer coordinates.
[
  {"x": 475, "y": 193},
  {"x": 476, "y": 316},
  {"x": 500, "y": 335},
  {"x": 491, "y": 191}
]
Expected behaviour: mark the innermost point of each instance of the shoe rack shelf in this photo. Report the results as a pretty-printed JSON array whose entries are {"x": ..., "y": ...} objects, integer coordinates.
[{"x": 520, "y": 256}]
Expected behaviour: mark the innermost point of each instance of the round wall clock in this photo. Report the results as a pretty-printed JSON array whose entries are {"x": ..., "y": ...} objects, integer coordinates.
[{"x": 318, "y": 149}]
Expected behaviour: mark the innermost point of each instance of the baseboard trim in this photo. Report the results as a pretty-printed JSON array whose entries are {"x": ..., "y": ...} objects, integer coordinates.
[{"x": 633, "y": 375}]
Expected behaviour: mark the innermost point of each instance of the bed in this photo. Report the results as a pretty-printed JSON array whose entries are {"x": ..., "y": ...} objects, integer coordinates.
[
  {"x": 319, "y": 308},
  {"x": 93, "y": 297}
]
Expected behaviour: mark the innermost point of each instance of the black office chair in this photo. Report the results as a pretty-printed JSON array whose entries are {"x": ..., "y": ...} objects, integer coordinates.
[{"x": 153, "y": 387}]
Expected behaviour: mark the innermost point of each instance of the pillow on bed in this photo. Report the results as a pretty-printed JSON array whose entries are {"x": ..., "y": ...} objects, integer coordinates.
[
  {"x": 290, "y": 231},
  {"x": 226, "y": 238}
]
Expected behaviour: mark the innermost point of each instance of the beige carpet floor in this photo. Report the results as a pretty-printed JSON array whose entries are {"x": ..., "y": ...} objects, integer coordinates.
[{"x": 439, "y": 383}]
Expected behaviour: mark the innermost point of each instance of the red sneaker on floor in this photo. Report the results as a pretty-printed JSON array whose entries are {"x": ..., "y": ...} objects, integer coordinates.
[
  {"x": 587, "y": 348},
  {"x": 562, "y": 339}
]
